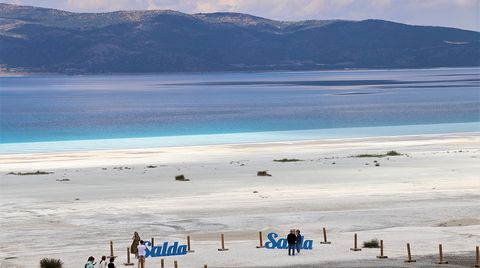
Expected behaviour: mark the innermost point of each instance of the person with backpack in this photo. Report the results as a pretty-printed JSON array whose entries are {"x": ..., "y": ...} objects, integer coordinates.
[
  {"x": 292, "y": 241},
  {"x": 90, "y": 262}
]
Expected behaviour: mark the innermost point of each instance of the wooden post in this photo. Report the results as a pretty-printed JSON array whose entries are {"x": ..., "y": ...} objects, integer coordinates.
[
  {"x": 260, "y": 236},
  {"x": 355, "y": 248},
  {"x": 477, "y": 264},
  {"x": 175, "y": 264},
  {"x": 440, "y": 255},
  {"x": 111, "y": 250},
  {"x": 409, "y": 254},
  {"x": 325, "y": 237},
  {"x": 381, "y": 251},
  {"x": 223, "y": 244},
  {"x": 153, "y": 241},
  {"x": 189, "y": 249},
  {"x": 128, "y": 263},
  {"x": 162, "y": 263}
]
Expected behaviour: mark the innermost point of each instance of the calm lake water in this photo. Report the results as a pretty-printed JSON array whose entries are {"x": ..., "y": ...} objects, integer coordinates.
[{"x": 61, "y": 108}]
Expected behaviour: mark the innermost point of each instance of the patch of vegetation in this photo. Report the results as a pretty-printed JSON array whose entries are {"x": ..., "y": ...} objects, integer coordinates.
[
  {"x": 393, "y": 153},
  {"x": 287, "y": 160},
  {"x": 369, "y": 155},
  {"x": 38, "y": 172},
  {"x": 263, "y": 173},
  {"x": 181, "y": 178},
  {"x": 239, "y": 163},
  {"x": 371, "y": 244},
  {"x": 389, "y": 153},
  {"x": 121, "y": 168},
  {"x": 151, "y": 166},
  {"x": 51, "y": 263}
]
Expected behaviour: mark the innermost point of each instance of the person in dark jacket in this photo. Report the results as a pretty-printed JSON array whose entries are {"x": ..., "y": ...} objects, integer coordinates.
[
  {"x": 292, "y": 242},
  {"x": 299, "y": 240},
  {"x": 111, "y": 264}
]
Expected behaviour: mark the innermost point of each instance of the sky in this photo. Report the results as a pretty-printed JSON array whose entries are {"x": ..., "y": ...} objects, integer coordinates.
[{"x": 464, "y": 14}]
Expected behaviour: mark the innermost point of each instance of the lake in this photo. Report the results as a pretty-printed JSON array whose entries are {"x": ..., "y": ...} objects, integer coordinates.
[{"x": 52, "y": 108}]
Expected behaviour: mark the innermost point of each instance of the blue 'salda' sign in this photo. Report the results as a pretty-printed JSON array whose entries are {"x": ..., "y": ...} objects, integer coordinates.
[
  {"x": 164, "y": 250},
  {"x": 283, "y": 244}
]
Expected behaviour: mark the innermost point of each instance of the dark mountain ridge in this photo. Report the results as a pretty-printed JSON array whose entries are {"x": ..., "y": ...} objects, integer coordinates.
[{"x": 47, "y": 40}]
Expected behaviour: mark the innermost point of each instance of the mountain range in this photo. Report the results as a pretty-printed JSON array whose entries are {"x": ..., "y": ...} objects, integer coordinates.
[{"x": 34, "y": 39}]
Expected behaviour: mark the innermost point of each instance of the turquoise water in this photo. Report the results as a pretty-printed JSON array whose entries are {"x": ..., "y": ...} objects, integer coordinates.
[
  {"x": 236, "y": 138},
  {"x": 41, "y": 109}
]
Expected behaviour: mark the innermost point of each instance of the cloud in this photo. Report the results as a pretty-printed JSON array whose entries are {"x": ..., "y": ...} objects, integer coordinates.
[{"x": 453, "y": 13}]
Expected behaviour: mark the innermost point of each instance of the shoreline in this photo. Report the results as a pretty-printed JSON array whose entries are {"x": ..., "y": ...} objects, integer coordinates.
[
  {"x": 240, "y": 138},
  {"x": 51, "y": 159},
  {"x": 14, "y": 73}
]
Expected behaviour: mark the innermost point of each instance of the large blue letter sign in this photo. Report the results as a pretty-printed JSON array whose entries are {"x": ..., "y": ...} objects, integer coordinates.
[
  {"x": 164, "y": 250},
  {"x": 281, "y": 243}
]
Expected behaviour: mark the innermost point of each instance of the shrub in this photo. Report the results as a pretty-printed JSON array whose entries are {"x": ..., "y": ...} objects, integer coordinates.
[
  {"x": 181, "y": 178},
  {"x": 393, "y": 153},
  {"x": 371, "y": 244},
  {"x": 287, "y": 160},
  {"x": 370, "y": 155},
  {"x": 51, "y": 263},
  {"x": 389, "y": 153},
  {"x": 263, "y": 173},
  {"x": 38, "y": 172}
]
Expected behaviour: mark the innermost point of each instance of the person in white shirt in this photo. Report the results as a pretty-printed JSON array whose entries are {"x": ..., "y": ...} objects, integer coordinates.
[
  {"x": 141, "y": 254},
  {"x": 103, "y": 262}
]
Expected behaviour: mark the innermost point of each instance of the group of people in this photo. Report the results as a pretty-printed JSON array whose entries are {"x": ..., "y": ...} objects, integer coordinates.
[
  {"x": 138, "y": 248},
  {"x": 102, "y": 264},
  {"x": 295, "y": 241}
]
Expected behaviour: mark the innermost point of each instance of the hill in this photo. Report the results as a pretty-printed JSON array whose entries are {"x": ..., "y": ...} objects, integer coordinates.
[{"x": 47, "y": 40}]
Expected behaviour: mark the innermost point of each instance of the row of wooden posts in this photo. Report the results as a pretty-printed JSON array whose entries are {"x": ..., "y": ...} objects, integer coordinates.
[
  {"x": 441, "y": 260},
  {"x": 409, "y": 259}
]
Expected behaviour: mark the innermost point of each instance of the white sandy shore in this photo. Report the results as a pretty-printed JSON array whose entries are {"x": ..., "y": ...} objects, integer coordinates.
[{"x": 428, "y": 196}]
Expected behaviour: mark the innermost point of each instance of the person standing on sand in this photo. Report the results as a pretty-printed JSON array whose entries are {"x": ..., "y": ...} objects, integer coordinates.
[
  {"x": 111, "y": 264},
  {"x": 136, "y": 240},
  {"x": 103, "y": 262},
  {"x": 90, "y": 262},
  {"x": 292, "y": 241},
  {"x": 299, "y": 240},
  {"x": 141, "y": 254}
]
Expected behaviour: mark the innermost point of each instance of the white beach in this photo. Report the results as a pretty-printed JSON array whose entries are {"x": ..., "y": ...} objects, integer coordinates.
[{"x": 428, "y": 195}]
